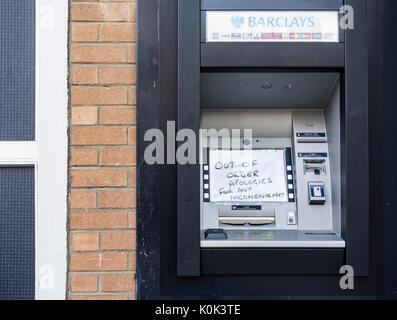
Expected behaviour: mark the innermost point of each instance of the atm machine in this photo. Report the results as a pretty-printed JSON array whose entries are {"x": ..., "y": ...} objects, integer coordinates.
[
  {"x": 291, "y": 198},
  {"x": 278, "y": 210}
]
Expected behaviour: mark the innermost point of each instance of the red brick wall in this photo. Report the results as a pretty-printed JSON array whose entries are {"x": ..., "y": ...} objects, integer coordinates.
[{"x": 102, "y": 171}]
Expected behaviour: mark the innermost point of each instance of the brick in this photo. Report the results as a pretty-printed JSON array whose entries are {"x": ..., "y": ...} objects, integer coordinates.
[
  {"x": 98, "y": 53},
  {"x": 118, "y": 157},
  {"x": 115, "y": 115},
  {"x": 118, "y": 241},
  {"x": 100, "y": 12},
  {"x": 99, "y": 297},
  {"x": 132, "y": 136},
  {"x": 85, "y": 32},
  {"x": 131, "y": 54},
  {"x": 98, "y": 178},
  {"x": 99, "y": 136},
  {"x": 83, "y": 199},
  {"x": 85, "y": 75},
  {"x": 84, "y": 115},
  {"x": 118, "y": 282},
  {"x": 84, "y": 157},
  {"x": 96, "y": 261},
  {"x": 117, "y": 199},
  {"x": 86, "y": 12},
  {"x": 132, "y": 96},
  {"x": 132, "y": 12},
  {"x": 84, "y": 261},
  {"x": 132, "y": 219},
  {"x": 99, "y": 96},
  {"x": 102, "y": 220},
  {"x": 132, "y": 265},
  {"x": 132, "y": 178},
  {"x": 118, "y": 75},
  {"x": 119, "y": 32},
  {"x": 84, "y": 283},
  {"x": 85, "y": 241}
]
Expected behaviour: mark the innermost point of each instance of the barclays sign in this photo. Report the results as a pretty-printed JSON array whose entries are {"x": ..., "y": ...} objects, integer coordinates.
[
  {"x": 276, "y": 26},
  {"x": 281, "y": 21},
  {"x": 274, "y": 21}
]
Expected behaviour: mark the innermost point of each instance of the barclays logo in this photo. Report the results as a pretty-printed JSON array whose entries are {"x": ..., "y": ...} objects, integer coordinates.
[{"x": 237, "y": 21}]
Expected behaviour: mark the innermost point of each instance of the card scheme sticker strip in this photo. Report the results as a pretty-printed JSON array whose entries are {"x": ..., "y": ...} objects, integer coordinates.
[
  {"x": 272, "y": 26},
  {"x": 247, "y": 176}
]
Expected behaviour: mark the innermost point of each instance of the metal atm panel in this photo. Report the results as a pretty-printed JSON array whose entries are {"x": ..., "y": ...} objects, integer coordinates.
[{"x": 296, "y": 222}]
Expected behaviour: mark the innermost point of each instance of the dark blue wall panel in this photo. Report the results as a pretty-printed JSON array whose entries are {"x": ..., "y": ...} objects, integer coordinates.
[
  {"x": 17, "y": 233},
  {"x": 17, "y": 70}
]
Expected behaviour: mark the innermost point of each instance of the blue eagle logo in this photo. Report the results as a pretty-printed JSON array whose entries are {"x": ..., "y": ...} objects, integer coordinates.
[{"x": 237, "y": 21}]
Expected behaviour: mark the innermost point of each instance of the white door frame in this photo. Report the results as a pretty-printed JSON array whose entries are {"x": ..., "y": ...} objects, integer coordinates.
[
  {"x": 52, "y": 124},
  {"x": 48, "y": 154}
]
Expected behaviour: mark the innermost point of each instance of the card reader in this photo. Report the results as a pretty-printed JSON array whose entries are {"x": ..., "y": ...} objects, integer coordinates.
[{"x": 316, "y": 193}]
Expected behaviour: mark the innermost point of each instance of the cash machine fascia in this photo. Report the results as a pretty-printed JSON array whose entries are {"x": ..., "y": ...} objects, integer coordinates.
[{"x": 348, "y": 59}]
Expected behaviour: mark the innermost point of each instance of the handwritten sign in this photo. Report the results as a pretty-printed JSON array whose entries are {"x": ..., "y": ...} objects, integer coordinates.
[{"x": 247, "y": 176}]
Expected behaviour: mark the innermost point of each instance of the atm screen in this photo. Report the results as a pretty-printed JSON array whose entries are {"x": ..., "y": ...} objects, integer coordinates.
[{"x": 247, "y": 176}]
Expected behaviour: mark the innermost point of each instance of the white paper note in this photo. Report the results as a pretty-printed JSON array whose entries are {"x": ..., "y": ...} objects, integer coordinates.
[{"x": 247, "y": 176}]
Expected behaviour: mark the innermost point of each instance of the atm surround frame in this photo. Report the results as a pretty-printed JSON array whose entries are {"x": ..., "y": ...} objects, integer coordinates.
[
  {"x": 163, "y": 281},
  {"x": 191, "y": 59}
]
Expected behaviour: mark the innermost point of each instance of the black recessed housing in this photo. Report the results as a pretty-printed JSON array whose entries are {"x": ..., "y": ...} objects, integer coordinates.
[{"x": 185, "y": 68}]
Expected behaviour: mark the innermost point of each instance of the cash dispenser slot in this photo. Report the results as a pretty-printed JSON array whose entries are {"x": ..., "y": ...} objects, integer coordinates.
[
  {"x": 247, "y": 220},
  {"x": 248, "y": 215}
]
